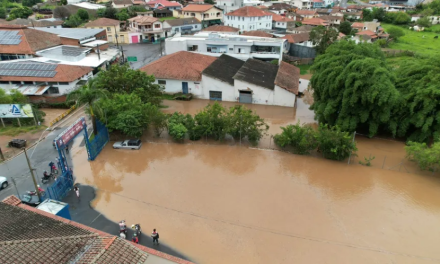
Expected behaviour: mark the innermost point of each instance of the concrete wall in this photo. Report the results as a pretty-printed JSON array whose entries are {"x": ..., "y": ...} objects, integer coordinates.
[
  {"x": 283, "y": 97},
  {"x": 302, "y": 51},
  {"x": 211, "y": 84},
  {"x": 303, "y": 84},
  {"x": 175, "y": 86},
  {"x": 260, "y": 95}
]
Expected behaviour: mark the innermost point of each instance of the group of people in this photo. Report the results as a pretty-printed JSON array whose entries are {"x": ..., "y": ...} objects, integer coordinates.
[{"x": 137, "y": 233}]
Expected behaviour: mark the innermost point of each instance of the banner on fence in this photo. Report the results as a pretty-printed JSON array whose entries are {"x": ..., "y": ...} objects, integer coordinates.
[
  {"x": 15, "y": 111},
  {"x": 71, "y": 132}
]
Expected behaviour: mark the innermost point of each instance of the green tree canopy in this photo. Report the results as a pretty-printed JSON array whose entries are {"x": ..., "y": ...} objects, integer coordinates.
[
  {"x": 122, "y": 79},
  {"x": 2, "y": 13},
  {"x": 395, "y": 33},
  {"x": 323, "y": 37},
  {"x": 378, "y": 13},
  {"x": 63, "y": 2},
  {"x": 435, "y": 5},
  {"x": 427, "y": 12},
  {"x": 20, "y": 12},
  {"x": 428, "y": 158},
  {"x": 73, "y": 21},
  {"x": 424, "y": 22},
  {"x": 82, "y": 14},
  {"x": 30, "y": 3},
  {"x": 122, "y": 15},
  {"x": 419, "y": 83},
  {"x": 354, "y": 88},
  {"x": 367, "y": 15},
  {"x": 345, "y": 28}
]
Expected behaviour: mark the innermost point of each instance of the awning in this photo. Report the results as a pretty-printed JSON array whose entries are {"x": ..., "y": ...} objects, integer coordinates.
[
  {"x": 186, "y": 27},
  {"x": 33, "y": 89}
]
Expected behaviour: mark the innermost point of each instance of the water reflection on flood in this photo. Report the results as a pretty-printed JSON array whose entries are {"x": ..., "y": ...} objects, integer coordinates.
[{"x": 230, "y": 204}]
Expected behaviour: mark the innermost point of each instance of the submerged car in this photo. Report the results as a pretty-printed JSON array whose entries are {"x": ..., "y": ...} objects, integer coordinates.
[
  {"x": 31, "y": 200},
  {"x": 3, "y": 182},
  {"x": 128, "y": 144}
]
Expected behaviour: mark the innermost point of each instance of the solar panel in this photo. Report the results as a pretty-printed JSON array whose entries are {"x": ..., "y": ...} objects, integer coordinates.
[
  {"x": 27, "y": 73},
  {"x": 28, "y": 66},
  {"x": 10, "y": 37}
]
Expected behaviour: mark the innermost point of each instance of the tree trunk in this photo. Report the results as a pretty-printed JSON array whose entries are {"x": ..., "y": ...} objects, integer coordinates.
[{"x": 95, "y": 129}]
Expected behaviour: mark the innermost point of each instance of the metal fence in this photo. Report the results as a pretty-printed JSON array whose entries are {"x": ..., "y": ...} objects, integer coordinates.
[
  {"x": 59, "y": 189},
  {"x": 302, "y": 51},
  {"x": 95, "y": 146}
]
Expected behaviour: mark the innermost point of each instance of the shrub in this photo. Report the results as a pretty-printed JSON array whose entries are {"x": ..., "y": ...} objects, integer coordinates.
[
  {"x": 395, "y": 33},
  {"x": 335, "y": 144},
  {"x": 194, "y": 131},
  {"x": 242, "y": 122},
  {"x": 211, "y": 121},
  {"x": 177, "y": 131},
  {"x": 302, "y": 139},
  {"x": 428, "y": 158},
  {"x": 82, "y": 14}
]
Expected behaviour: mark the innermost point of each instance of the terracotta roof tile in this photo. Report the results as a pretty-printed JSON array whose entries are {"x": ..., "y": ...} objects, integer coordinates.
[
  {"x": 182, "y": 65},
  {"x": 305, "y": 28},
  {"x": 278, "y": 18},
  {"x": 31, "y": 40},
  {"x": 65, "y": 73},
  {"x": 143, "y": 19},
  {"x": 122, "y": 2},
  {"x": 164, "y": 3},
  {"x": 303, "y": 12},
  {"x": 357, "y": 25},
  {"x": 257, "y": 33},
  {"x": 102, "y": 22},
  {"x": 248, "y": 11},
  {"x": 315, "y": 22},
  {"x": 332, "y": 18},
  {"x": 220, "y": 28},
  {"x": 288, "y": 77},
  {"x": 366, "y": 32},
  {"x": 297, "y": 38},
  {"x": 197, "y": 8}
]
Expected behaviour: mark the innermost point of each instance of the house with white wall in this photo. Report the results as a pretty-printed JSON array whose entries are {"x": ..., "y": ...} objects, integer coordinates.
[
  {"x": 43, "y": 80},
  {"x": 119, "y": 3},
  {"x": 307, "y": 14},
  {"x": 145, "y": 28},
  {"x": 282, "y": 23},
  {"x": 238, "y": 46},
  {"x": 181, "y": 25},
  {"x": 249, "y": 18},
  {"x": 208, "y": 14},
  {"x": 230, "y": 5}
]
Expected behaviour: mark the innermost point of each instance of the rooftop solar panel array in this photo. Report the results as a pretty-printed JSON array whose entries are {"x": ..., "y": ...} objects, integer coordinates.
[
  {"x": 28, "y": 70},
  {"x": 9, "y": 37}
]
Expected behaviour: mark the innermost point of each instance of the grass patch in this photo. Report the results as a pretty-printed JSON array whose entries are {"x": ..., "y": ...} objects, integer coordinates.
[
  {"x": 167, "y": 18},
  {"x": 304, "y": 69},
  {"x": 420, "y": 42},
  {"x": 166, "y": 96},
  {"x": 14, "y": 131}
]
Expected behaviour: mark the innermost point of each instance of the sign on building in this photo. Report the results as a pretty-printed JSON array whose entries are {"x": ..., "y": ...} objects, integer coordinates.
[
  {"x": 73, "y": 130},
  {"x": 15, "y": 111}
]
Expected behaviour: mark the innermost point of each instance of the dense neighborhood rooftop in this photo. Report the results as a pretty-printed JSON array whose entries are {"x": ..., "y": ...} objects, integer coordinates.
[
  {"x": 224, "y": 68},
  {"x": 182, "y": 21},
  {"x": 73, "y": 33},
  {"x": 288, "y": 77},
  {"x": 102, "y": 22},
  {"x": 257, "y": 33},
  {"x": 197, "y": 8},
  {"x": 248, "y": 11},
  {"x": 297, "y": 38}
]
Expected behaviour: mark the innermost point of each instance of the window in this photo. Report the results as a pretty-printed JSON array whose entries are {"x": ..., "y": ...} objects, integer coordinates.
[
  {"x": 16, "y": 82},
  {"x": 177, "y": 30},
  {"x": 4, "y": 82},
  {"x": 109, "y": 29},
  {"x": 54, "y": 90},
  {"x": 231, "y": 49},
  {"x": 195, "y": 26},
  {"x": 28, "y": 82},
  {"x": 156, "y": 25},
  {"x": 63, "y": 83},
  {"x": 162, "y": 82}
]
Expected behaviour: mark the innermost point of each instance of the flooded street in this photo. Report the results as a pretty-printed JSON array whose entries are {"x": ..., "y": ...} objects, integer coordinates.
[{"x": 218, "y": 203}]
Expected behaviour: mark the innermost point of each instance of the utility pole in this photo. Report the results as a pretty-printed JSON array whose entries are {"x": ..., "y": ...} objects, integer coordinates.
[
  {"x": 116, "y": 35},
  {"x": 99, "y": 54},
  {"x": 15, "y": 185},
  {"x": 32, "y": 174}
]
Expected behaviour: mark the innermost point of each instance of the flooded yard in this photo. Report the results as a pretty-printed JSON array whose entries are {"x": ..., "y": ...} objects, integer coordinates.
[{"x": 222, "y": 203}]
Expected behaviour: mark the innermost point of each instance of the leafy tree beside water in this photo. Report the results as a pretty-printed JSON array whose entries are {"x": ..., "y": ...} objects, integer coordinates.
[
  {"x": 354, "y": 88},
  {"x": 242, "y": 123},
  {"x": 300, "y": 138},
  {"x": 335, "y": 144},
  {"x": 428, "y": 158}
]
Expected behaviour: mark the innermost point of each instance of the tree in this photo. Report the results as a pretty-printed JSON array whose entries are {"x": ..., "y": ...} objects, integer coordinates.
[
  {"x": 367, "y": 15},
  {"x": 302, "y": 139},
  {"x": 20, "y": 12},
  {"x": 30, "y": 3},
  {"x": 211, "y": 121},
  {"x": 126, "y": 113},
  {"x": 419, "y": 83},
  {"x": 2, "y": 13},
  {"x": 424, "y": 22},
  {"x": 110, "y": 12},
  {"x": 100, "y": 12},
  {"x": 82, "y": 14},
  {"x": 122, "y": 15},
  {"x": 427, "y": 12},
  {"x": 335, "y": 144},
  {"x": 401, "y": 18},
  {"x": 88, "y": 94},
  {"x": 176, "y": 126},
  {"x": 211, "y": 2},
  {"x": 395, "y": 33},
  {"x": 345, "y": 28},
  {"x": 242, "y": 123},
  {"x": 428, "y": 158},
  {"x": 435, "y": 5},
  {"x": 158, "y": 120},
  {"x": 63, "y": 2},
  {"x": 122, "y": 79},
  {"x": 379, "y": 14},
  {"x": 61, "y": 12},
  {"x": 73, "y": 21},
  {"x": 354, "y": 88},
  {"x": 323, "y": 37}
]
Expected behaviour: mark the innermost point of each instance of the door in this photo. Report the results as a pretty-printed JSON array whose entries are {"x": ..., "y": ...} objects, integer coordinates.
[
  {"x": 245, "y": 97},
  {"x": 134, "y": 39},
  {"x": 184, "y": 87},
  {"x": 215, "y": 95}
]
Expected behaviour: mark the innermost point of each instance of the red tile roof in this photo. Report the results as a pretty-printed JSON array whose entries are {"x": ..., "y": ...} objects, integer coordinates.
[
  {"x": 278, "y": 18},
  {"x": 144, "y": 19},
  {"x": 257, "y": 33},
  {"x": 315, "y": 22},
  {"x": 288, "y": 77},
  {"x": 164, "y": 3},
  {"x": 220, "y": 28},
  {"x": 197, "y": 8},
  {"x": 303, "y": 12},
  {"x": 248, "y": 11},
  {"x": 103, "y": 22},
  {"x": 366, "y": 32},
  {"x": 65, "y": 73},
  {"x": 182, "y": 65},
  {"x": 357, "y": 25},
  {"x": 31, "y": 40},
  {"x": 297, "y": 38},
  {"x": 29, "y": 235}
]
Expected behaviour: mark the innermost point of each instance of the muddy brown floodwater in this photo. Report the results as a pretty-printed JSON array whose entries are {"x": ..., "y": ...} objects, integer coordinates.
[{"x": 232, "y": 204}]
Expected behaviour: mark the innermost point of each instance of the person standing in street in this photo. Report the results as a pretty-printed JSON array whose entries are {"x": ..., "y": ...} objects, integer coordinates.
[
  {"x": 76, "y": 189},
  {"x": 155, "y": 236}
]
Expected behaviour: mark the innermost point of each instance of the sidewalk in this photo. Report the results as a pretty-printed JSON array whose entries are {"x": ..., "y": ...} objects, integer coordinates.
[{"x": 83, "y": 213}]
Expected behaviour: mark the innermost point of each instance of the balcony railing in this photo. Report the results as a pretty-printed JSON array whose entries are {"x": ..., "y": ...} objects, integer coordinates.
[{"x": 149, "y": 30}]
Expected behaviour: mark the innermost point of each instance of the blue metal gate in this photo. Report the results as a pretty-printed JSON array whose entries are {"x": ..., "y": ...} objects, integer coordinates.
[
  {"x": 59, "y": 189},
  {"x": 95, "y": 146}
]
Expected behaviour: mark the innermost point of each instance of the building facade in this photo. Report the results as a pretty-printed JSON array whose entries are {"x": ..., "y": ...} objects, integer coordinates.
[
  {"x": 207, "y": 14},
  {"x": 115, "y": 33},
  {"x": 249, "y": 18},
  {"x": 182, "y": 25},
  {"x": 145, "y": 29}
]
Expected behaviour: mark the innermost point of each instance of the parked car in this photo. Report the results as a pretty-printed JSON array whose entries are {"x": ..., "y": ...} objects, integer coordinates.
[
  {"x": 3, "y": 182},
  {"x": 31, "y": 200},
  {"x": 128, "y": 144}
]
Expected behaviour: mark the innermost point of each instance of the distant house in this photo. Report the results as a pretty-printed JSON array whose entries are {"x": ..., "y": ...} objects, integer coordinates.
[
  {"x": 112, "y": 28},
  {"x": 122, "y": 3},
  {"x": 21, "y": 42},
  {"x": 222, "y": 29},
  {"x": 281, "y": 22},
  {"x": 300, "y": 45},
  {"x": 295, "y": 16},
  {"x": 353, "y": 15},
  {"x": 249, "y": 18},
  {"x": 317, "y": 4},
  {"x": 315, "y": 22},
  {"x": 182, "y": 26},
  {"x": 158, "y": 4},
  {"x": 332, "y": 20},
  {"x": 207, "y": 14},
  {"x": 434, "y": 19},
  {"x": 366, "y": 36},
  {"x": 359, "y": 26},
  {"x": 162, "y": 12},
  {"x": 95, "y": 38},
  {"x": 301, "y": 29},
  {"x": 280, "y": 8},
  {"x": 145, "y": 28},
  {"x": 307, "y": 13},
  {"x": 415, "y": 17},
  {"x": 35, "y": 23},
  {"x": 258, "y": 33}
]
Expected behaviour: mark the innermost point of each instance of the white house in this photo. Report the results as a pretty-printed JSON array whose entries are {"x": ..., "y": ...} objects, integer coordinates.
[
  {"x": 434, "y": 19},
  {"x": 249, "y": 18},
  {"x": 239, "y": 46},
  {"x": 229, "y": 5},
  {"x": 145, "y": 28},
  {"x": 415, "y": 17},
  {"x": 43, "y": 80},
  {"x": 227, "y": 78},
  {"x": 182, "y": 26},
  {"x": 120, "y": 3}
]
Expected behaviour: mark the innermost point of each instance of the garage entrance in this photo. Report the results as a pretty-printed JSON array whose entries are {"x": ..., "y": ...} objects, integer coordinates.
[
  {"x": 215, "y": 95},
  {"x": 245, "y": 97}
]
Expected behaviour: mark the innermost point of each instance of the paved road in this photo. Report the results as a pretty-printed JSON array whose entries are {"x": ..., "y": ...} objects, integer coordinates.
[{"x": 145, "y": 53}]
